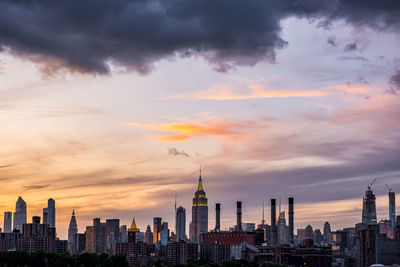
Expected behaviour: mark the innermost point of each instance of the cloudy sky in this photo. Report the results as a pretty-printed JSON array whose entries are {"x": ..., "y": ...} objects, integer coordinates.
[{"x": 110, "y": 107}]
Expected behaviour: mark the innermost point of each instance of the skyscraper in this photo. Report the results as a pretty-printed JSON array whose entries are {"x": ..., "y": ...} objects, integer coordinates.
[
  {"x": 282, "y": 228},
  {"x": 148, "y": 236},
  {"x": 72, "y": 231},
  {"x": 199, "y": 212},
  {"x": 49, "y": 213},
  {"x": 181, "y": 223},
  {"x": 327, "y": 232},
  {"x": 20, "y": 214},
  {"x": 132, "y": 232},
  {"x": 392, "y": 208},
  {"x": 7, "y": 222},
  {"x": 112, "y": 234},
  {"x": 156, "y": 229},
  {"x": 291, "y": 220},
  {"x": 369, "y": 208}
]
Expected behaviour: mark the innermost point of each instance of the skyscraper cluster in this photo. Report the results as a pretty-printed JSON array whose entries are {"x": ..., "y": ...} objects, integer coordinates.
[
  {"x": 368, "y": 242},
  {"x": 39, "y": 235}
]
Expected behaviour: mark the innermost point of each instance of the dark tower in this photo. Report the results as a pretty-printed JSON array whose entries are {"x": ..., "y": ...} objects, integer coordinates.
[
  {"x": 291, "y": 220},
  {"x": 239, "y": 216},
  {"x": 217, "y": 216},
  {"x": 369, "y": 207},
  {"x": 273, "y": 222},
  {"x": 392, "y": 208}
]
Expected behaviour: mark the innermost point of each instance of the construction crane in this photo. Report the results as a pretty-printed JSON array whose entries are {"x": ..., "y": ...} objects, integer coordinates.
[
  {"x": 390, "y": 189},
  {"x": 371, "y": 184}
]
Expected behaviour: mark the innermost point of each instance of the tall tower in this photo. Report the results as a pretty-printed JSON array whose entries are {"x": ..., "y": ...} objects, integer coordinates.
[
  {"x": 274, "y": 236},
  {"x": 392, "y": 208},
  {"x": 327, "y": 232},
  {"x": 369, "y": 207},
  {"x": 19, "y": 214},
  {"x": 132, "y": 232},
  {"x": 239, "y": 216},
  {"x": 291, "y": 220},
  {"x": 156, "y": 229},
  {"x": 7, "y": 222},
  {"x": 217, "y": 217},
  {"x": 181, "y": 224},
  {"x": 49, "y": 213},
  {"x": 72, "y": 231},
  {"x": 199, "y": 212},
  {"x": 282, "y": 228}
]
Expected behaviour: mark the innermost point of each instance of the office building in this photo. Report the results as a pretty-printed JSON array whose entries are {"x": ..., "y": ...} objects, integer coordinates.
[
  {"x": 157, "y": 223},
  {"x": 72, "y": 231},
  {"x": 199, "y": 212},
  {"x": 49, "y": 213},
  {"x": 7, "y": 222},
  {"x": 148, "y": 236},
  {"x": 369, "y": 207},
  {"x": 20, "y": 214},
  {"x": 181, "y": 224}
]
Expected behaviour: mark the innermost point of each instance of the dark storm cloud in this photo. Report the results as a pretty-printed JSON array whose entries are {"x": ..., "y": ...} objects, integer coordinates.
[{"x": 88, "y": 36}]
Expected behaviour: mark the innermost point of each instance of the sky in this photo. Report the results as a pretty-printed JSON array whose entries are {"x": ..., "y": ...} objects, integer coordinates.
[{"x": 110, "y": 108}]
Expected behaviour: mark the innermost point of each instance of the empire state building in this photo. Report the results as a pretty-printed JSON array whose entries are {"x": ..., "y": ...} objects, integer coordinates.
[{"x": 199, "y": 212}]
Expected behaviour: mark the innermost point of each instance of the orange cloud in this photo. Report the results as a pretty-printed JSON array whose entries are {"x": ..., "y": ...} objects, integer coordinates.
[
  {"x": 184, "y": 131},
  {"x": 254, "y": 91}
]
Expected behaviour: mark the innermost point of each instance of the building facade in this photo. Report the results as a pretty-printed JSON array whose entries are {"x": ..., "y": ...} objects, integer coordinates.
[
  {"x": 199, "y": 212},
  {"x": 7, "y": 222},
  {"x": 20, "y": 214},
  {"x": 181, "y": 224},
  {"x": 72, "y": 231},
  {"x": 49, "y": 213},
  {"x": 369, "y": 207}
]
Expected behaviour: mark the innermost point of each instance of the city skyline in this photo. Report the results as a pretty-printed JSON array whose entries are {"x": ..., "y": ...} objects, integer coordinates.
[
  {"x": 229, "y": 223},
  {"x": 110, "y": 110}
]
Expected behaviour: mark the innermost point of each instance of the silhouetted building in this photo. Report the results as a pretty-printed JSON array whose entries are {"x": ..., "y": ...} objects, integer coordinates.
[
  {"x": 112, "y": 235},
  {"x": 123, "y": 234},
  {"x": 99, "y": 230},
  {"x": 239, "y": 216},
  {"x": 229, "y": 238},
  {"x": 7, "y": 222},
  {"x": 282, "y": 228},
  {"x": 291, "y": 220},
  {"x": 218, "y": 253},
  {"x": 327, "y": 233},
  {"x": 20, "y": 214},
  {"x": 148, "y": 236},
  {"x": 369, "y": 207},
  {"x": 156, "y": 228},
  {"x": 180, "y": 252},
  {"x": 89, "y": 246},
  {"x": 72, "y": 231},
  {"x": 181, "y": 224},
  {"x": 80, "y": 243},
  {"x": 217, "y": 216},
  {"x": 133, "y": 232},
  {"x": 376, "y": 248},
  {"x": 199, "y": 212},
  {"x": 49, "y": 213},
  {"x": 318, "y": 238},
  {"x": 274, "y": 236},
  {"x": 392, "y": 208}
]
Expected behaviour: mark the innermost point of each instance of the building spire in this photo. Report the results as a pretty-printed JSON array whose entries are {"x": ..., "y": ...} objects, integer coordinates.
[{"x": 200, "y": 184}]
